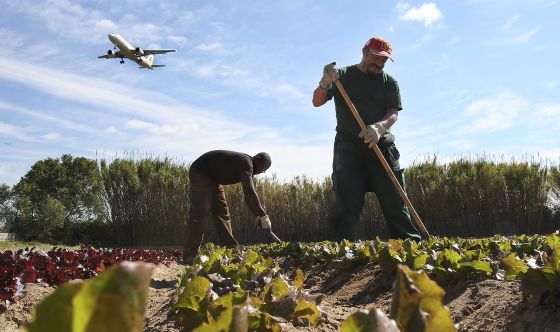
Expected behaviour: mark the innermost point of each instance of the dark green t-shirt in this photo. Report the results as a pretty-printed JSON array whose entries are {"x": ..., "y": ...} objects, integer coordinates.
[
  {"x": 224, "y": 167},
  {"x": 372, "y": 95}
]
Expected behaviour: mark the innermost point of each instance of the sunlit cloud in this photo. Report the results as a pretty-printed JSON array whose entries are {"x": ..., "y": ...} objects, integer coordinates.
[
  {"x": 216, "y": 46},
  {"x": 52, "y": 136},
  {"x": 524, "y": 37},
  {"x": 11, "y": 131},
  {"x": 453, "y": 41},
  {"x": 494, "y": 113},
  {"x": 551, "y": 85},
  {"x": 179, "y": 40},
  {"x": 424, "y": 39},
  {"x": 156, "y": 123},
  {"x": 510, "y": 21},
  {"x": 111, "y": 130},
  {"x": 427, "y": 13}
]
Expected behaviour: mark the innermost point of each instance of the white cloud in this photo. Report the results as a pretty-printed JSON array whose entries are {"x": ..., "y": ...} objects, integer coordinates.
[
  {"x": 220, "y": 71},
  {"x": 453, "y": 41},
  {"x": 427, "y": 13},
  {"x": 165, "y": 129},
  {"x": 161, "y": 124},
  {"x": 290, "y": 90},
  {"x": 216, "y": 46},
  {"x": 11, "y": 40},
  {"x": 52, "y": 136},
  {"x": 60, "y": 121},
  {"x": 179, "y": 40},
  {"x": 547, "y": 111},
  {"x": 80, "y": 23},
  {"x": 510, "y": 21},
  {"x": 551, "y": 85},
  {"x": 497, "y": 112},
  {"x": 13, "y": 132},
  {"x": 8, "y": 129},
  {"x": 111, "y": 130},
  {"x": 424, "y": 39},
  {"x": 524, "y": 37}
]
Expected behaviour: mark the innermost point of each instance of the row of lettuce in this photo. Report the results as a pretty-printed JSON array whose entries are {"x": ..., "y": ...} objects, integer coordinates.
[{"x": 252, "y": 288}]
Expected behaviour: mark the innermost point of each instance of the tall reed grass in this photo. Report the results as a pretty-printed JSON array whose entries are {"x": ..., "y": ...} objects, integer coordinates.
[{"x": 148, "y": 201}]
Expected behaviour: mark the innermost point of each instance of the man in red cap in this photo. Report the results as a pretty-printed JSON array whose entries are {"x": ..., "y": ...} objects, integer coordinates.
[{"x": 356, "y": 169}]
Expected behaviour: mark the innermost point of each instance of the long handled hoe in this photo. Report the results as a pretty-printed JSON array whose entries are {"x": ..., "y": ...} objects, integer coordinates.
[{"x": 379, "y": 155}]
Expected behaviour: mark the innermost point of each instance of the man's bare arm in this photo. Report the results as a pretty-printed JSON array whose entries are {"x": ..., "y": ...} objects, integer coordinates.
[
  {"x": 319, "y": 97},
  {"x": 251, "y": 197},
  {"x": 390, "y": 117}
]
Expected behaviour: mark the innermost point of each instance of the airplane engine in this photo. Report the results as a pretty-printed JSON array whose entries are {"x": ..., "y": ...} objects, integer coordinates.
[
  {"x": 139, "y": 51},
  {"x": 110, "y": 52}
]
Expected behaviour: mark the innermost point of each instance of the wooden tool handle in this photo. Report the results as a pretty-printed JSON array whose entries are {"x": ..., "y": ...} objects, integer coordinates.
[{"x": 379, "y": 155}]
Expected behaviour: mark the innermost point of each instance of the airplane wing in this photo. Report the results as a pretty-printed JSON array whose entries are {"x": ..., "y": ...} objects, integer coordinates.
[
  {"x": 146, "y": 52},
  {"x": 110, "y": 56}
]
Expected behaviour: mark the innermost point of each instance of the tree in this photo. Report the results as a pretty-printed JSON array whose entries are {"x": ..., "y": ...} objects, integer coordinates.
[
  {"x": 7, "y": 208},
  {"x": 55, "y": 194}
]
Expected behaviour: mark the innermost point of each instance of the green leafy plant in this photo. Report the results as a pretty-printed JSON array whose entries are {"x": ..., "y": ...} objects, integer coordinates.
[{"x": 113, "y": 301}]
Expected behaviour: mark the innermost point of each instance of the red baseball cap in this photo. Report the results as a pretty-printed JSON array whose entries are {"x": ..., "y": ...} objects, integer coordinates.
[{"x": 379, "y": 46}]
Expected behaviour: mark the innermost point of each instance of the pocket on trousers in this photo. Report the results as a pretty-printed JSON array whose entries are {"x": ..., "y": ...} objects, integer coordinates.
[{"x": 392, "y": 156}]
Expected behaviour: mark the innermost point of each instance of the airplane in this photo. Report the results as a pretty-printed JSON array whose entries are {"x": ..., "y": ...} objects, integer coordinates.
[{"x": 145, "y": 58}]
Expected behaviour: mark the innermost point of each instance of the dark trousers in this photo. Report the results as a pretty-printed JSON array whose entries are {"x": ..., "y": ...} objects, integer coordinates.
[
  {"x": 207, "y": 201},
  {"x": 356, "y": 170}
]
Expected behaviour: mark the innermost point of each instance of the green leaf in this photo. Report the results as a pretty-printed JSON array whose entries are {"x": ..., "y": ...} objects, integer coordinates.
[
  {"x": 553, "y": 266},
  {"x": 389, "y": 258},
  {"x": 113, "y": 301},
  {"x": 373, "y": 320},
  {"x": 275, "y": 289},
  {"x": 55, "y": 312},
  {"x": 476, "y": 268},
  {"x": 225, "y": 302},
  {"x": 451, "y": 258},
  {"x": 213, "y": 265},
  {"x": 553, "y": 240},
  {"x": 263, "y": 322},
  {"x": 234, "y": 319},
  {"x": 420, "y": 261},
  {"x": 417, "y": 303},
  {"x": 194, "y": 292},
  {"x": 534, "y": 281},
  {"x": 307, "y": 311},
  {"x": 513, "y": 266},
  {"x": 298, "y": 279}
]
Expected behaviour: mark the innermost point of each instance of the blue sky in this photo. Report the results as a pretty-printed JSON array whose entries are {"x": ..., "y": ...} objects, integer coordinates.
[{"x": 476, "y": 78}]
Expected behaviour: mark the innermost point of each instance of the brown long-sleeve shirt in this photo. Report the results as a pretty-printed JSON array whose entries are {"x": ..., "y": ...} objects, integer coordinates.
[{"x": 230, "y": 167}]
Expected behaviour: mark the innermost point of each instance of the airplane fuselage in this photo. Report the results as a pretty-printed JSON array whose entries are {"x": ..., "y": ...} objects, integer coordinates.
[
  {"x": 144, "y": 58},
  {"x": 127, "y": 50}
]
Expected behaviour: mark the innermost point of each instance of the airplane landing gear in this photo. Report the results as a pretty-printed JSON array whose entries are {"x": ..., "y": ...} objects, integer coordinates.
[{"x": 122, "y": 61}]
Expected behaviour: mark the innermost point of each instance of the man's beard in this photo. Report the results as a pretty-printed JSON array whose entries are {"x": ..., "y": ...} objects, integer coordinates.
[{"x": 376, "y": 69}]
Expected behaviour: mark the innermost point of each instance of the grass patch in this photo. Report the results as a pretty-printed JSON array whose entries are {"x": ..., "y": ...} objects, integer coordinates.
[{"x": 15, "y": 245}]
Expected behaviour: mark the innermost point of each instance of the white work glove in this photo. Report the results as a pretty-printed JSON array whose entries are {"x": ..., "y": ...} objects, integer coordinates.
[
  {"x": 264, "y": 223},
  {"x": 329, "y": 76},
  {"x": 372, "y": 133}
]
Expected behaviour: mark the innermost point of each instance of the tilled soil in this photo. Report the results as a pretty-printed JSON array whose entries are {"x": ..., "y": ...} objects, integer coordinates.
[{"x": 482, "y": 305}]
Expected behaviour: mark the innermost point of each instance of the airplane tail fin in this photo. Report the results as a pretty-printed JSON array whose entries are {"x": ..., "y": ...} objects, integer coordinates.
[{"x": 150, "y": 59}]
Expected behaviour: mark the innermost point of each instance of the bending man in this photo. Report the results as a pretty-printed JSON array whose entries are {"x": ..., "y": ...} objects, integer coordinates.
[{"x": 207, "y": 175}]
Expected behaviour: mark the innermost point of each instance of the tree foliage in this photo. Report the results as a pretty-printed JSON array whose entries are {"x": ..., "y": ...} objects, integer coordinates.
[{"x": 55, "y": 194}]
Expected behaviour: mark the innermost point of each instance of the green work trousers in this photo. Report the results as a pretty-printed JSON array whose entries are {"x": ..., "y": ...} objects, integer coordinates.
[
  {"x": 207, "y": 201},
  {"x": 356, "y": 170}
]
